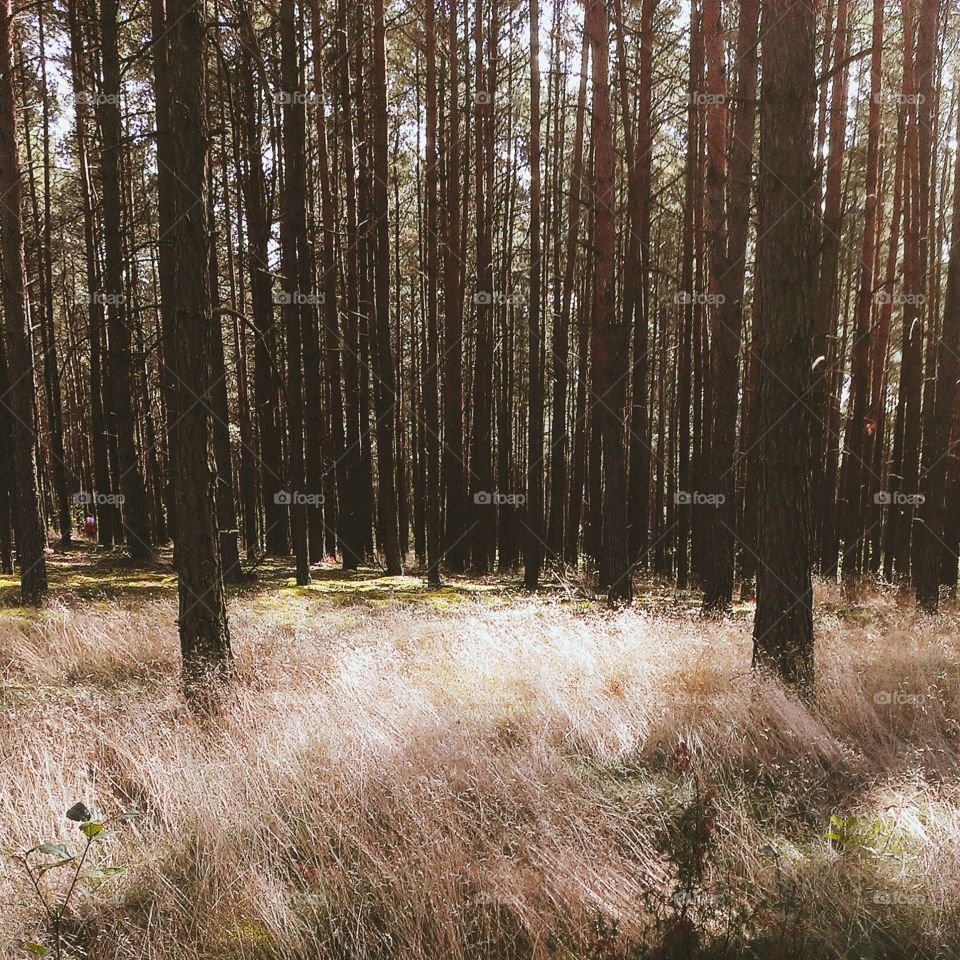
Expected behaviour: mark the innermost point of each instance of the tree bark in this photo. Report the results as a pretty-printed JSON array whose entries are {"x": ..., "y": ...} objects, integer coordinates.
[
  {"x": 783, "y": 626},
  {"x": 202, "y": 621}
]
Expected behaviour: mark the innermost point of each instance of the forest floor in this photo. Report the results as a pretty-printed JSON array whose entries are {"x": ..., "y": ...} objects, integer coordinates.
[{"x": 475, "y": 772}]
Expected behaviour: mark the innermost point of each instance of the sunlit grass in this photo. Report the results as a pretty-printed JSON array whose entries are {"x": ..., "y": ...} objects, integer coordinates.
[{"x": 473, "y": 772}]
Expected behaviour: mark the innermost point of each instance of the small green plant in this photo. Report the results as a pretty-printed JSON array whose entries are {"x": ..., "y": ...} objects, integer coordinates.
[
  {"x": 58, "y": 856},
  {"x": 858, "y": 833}
]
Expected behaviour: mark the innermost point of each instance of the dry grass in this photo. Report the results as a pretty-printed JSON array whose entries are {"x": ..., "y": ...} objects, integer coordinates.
[{"x": 499, "y": 781}]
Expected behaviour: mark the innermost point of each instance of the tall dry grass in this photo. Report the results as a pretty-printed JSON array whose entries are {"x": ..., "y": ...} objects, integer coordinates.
[{"x": 516, "y": 782}]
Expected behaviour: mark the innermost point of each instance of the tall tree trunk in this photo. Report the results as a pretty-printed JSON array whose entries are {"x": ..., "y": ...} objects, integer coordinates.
[
  {"x": 783, "y": 626},
  {"x": 331, "y": 319},
  {"x": 386, "y": 395},
  {"x": 483, "y": 524},
  {"x": 825, "y": 353},
  {"x": 351, "y": 507},
  {"x": 560, "y": 344},
  {"x": 202, "y": 620},
  {"x": 454, "y": 472},
  {"x": 533, "y": 543},
  {"x": 929, "y": 535},
  {"x": 51, "y": 367},
  {"x": 612, "y": 338},
  {"x": 82, "y": 87},
  {"x": 430, "y": 385},
  {"x": 295, "y": 300},
  {"x": 729, "y": 268},
  {"x": 18, "y": 400},
  {"x": 136, "y": 526},
  {"x": 856, "y": 433}
]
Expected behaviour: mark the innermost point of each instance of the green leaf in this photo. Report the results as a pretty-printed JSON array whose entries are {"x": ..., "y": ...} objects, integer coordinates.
[
  {"x": 128, "y": 815},
  {"x": 52, "y": 849},
  {"x": 44, "y": 867},
  {"x": 37, "y": 949},
  {"x": 79, "y": 813},
  {"x": 90, "y": 830}
]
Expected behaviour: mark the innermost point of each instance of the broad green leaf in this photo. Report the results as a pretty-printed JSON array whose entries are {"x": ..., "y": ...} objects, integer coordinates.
[
  {"x": 52, "y": 849},
  {"x": 37, "y": 949},
  {"x": 90, "y": 830}
]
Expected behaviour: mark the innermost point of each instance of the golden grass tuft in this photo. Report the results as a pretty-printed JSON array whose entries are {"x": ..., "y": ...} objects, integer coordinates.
[{"x": 471, "y": 780}]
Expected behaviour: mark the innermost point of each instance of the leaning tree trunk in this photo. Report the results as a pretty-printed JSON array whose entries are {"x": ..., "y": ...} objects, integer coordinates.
[
  {"x": 18, "y": 400},
  {"x": 204, "y": 635},
  {"x": 783, "y": 626}
]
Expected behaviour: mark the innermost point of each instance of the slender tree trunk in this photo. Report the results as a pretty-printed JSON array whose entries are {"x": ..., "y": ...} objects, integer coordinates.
[
  {"x": 560, "y": 344},
  {"x": 51, "y": 366},
  {"x": 454, "y": 472},
  {"x": 534, "y": 540},
  {"x": 18, "y": 400},
  {"x": 825, "y": 354},
  {"x": 729, "y": 270},
  {"x": 202, "y": 620},
  {"x": 612, "y": 338},
  {"x": 82, "y": 87},
  {"x": 783, "y": 626},
  {"x": 430, "y": 385},
  {"x": 930, "y": 532},
  {"x": 136, "y": 526},
  {"x": 856, "y": 433},
  {"x": 386, "y": 394},
  {"x": 294, "y": 299}
]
